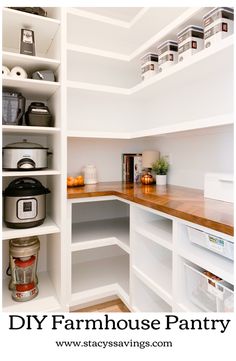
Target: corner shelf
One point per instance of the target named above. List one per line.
(31, 88)
(99, 278)
(94, 234)
(46, 301)
(29, 63)
(48, 227)
(205, 59)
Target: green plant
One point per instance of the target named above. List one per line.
(161, 166)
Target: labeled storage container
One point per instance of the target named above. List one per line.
(218, 24)
(190, 41)
(219, 186)
(149, 65)
(207, 291)
(213, 243)
(168, 54)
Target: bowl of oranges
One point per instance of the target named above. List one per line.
(75, 181)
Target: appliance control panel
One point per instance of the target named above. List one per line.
(27, 208)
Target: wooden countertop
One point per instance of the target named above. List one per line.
(185, 203)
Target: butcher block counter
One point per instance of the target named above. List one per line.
(184, 203)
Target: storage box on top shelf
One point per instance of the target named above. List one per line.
(219, 186)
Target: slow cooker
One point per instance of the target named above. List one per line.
(25, 203)
(25, 156)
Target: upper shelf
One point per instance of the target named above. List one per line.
(204, 61)
(150, 28)
(29, 63)
(31, 88)
(45, 29)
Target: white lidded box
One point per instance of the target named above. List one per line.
(219, 186)
(218, 24)
(215, 244)
(168, 54)
(190, 41)
(207, 291)
(149, 65)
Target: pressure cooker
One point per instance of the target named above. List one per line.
(25, 156)
(25, 203)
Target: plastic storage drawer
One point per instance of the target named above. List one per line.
(213, 243)
(209, 295)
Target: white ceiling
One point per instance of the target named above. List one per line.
(124, 14)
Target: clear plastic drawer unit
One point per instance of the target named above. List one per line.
(207, 291)
(213, 243)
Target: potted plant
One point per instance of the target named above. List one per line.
(160, 167)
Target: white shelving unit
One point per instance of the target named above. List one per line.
(98, 248)
(48, 32)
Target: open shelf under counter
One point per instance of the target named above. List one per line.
(99, 278)
(29, 129)
(45, 29)
(159, 231)
(94, 234)
(30, 173)
(29, 63)
(163, 286)
(31, 88)
(46, 301)
(48, 227)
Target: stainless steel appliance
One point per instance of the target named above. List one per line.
(23, 259)
(13, 108)
(25, 156)
(25, 203)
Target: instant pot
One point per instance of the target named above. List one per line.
(25, 156)
(25, 203)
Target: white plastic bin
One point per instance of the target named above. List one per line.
(219, 186)
(208, 294)
(149, 65)
(168, 54)
(213, 243)
(218, 24)
(190, 41)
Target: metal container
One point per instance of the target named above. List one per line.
(25, 156)
(25, 203)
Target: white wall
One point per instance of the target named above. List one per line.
(197, 153)
(193, 154)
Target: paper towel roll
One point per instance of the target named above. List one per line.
(18, 72)
(5, 71)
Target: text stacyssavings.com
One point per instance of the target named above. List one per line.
(107, 322)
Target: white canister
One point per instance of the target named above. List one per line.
(218, 24)
(90, 174)
(149, 65)
(190, 41)
(168, 54)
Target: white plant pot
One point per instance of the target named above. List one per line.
(160, 180)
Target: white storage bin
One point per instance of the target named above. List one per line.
(213, 243)
(149, 65)
(210, 295)
(168, 54)
(219, 186)
(218, 24)
(190, 41)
